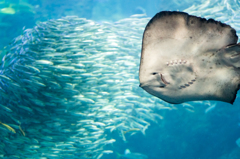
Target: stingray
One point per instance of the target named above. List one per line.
(188, 58)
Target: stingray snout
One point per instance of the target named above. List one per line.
(141, 85)
(154, 80)
(144, 84)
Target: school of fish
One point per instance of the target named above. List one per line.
(66, 82)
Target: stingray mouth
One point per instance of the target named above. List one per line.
(163, 79)
(155, 79)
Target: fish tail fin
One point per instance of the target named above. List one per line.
(118, 155)
(144, 129)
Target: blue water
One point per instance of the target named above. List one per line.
(183, 133)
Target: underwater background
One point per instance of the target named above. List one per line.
(69, 84)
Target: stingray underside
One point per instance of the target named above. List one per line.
(187, 58)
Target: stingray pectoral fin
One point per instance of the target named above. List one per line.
(232, 55)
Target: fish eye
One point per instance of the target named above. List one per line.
(154, 73)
